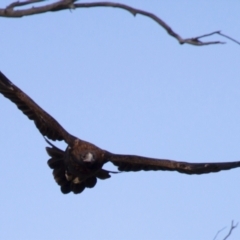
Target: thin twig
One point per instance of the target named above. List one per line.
(19, 4)
(208, 34)
(9, 11)
(218, 233)
(134, 11)
(228, 37)
(231, 229)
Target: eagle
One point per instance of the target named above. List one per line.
(81, 164)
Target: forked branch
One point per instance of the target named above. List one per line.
(10, 11)
(231, 229)
(233, 226)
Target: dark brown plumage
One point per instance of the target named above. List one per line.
(80, 165)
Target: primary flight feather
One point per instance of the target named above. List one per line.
(80, 165)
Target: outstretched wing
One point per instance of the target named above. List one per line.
(46, 124)
(129, 163)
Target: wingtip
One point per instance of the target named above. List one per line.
(5, 80)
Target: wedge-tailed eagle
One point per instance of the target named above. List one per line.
(80, 165)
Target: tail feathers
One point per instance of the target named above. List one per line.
(65, 180)
(66, 185)
(91, 182)
(55, 152)
(72, 187)
(59, 176)
(77, 188)
(59, 173)
(66, 188)
(55, 163)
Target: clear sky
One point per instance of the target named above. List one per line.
(123, 84)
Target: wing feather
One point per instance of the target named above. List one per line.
(46, 124)
(133, 163)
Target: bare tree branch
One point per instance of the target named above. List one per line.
(228, 37)
(230, 231)
(9, 11)
(19, 4)
(218, 232)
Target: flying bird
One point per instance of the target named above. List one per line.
(80, 165)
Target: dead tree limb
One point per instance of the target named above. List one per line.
(219, 232)
(10, 12)
(229, 233)
(231, 229)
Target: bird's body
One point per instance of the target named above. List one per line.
(80, 165)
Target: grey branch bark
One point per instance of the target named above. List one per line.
(231, 229)
(233, 226)
(10, 12)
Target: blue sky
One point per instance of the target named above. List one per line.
(123, 84)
